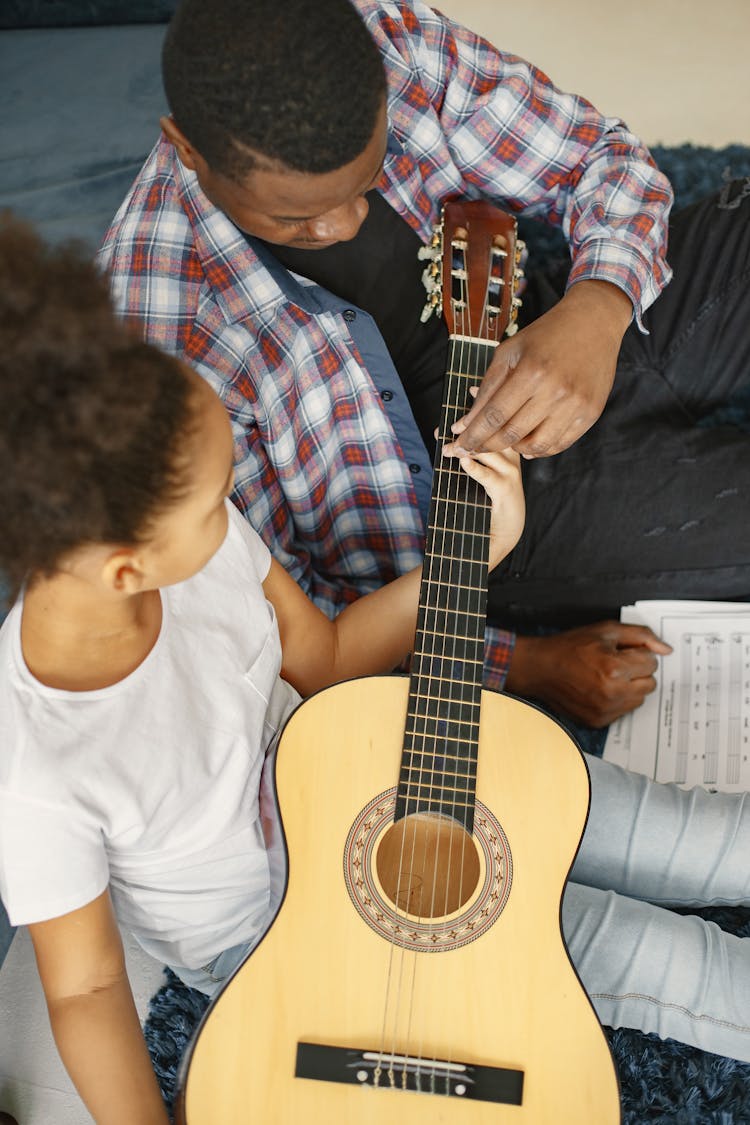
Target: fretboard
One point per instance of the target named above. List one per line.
(441, 741)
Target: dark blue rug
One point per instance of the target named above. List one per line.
(661, 1080)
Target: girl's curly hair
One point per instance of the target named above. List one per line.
(91, 418)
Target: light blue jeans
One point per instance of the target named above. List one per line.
(646, 847)
(210, 978)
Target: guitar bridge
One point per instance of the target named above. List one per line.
(409, 1073)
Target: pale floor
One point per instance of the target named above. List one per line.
(34, 1086)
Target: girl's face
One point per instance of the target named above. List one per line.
(184, 537)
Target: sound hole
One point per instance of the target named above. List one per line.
(428, 865)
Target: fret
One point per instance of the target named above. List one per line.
(441, 738)
(479, 505)
(474, 638)
(460, 613)
(446, 584)
(432, 795)
(454, 759)
(421, 788)
(430, 737)
(462, 696)
(459, 663)
(437, 717)
(440, 763)
(440, 661)
(447, 713)
(443, 646)
(438, 680)
(448, 753)
(476, 340)
(438, 773)
(446, 557)
(432, 802)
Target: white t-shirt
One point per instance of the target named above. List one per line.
(151, 785)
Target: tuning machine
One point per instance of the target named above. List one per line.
(432, 253)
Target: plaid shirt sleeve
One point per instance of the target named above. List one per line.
(498, 653)
(537, 151)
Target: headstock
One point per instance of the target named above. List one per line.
(474, 270)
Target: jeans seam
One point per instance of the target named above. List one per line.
(705, 310)
(672, 1007)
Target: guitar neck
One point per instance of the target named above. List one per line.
(441, 742)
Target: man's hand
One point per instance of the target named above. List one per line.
(549, 383)
(594, 673)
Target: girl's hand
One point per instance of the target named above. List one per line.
(500, 476)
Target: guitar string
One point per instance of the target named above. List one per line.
(453, 545)
(447, 470)
(473, 511)
(472, 518)
(458, 367)
(456, 544)
(427, 661)
(411, 787)
(457, 550)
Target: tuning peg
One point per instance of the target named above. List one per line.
(434, 304)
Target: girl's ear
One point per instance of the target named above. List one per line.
(123, 572)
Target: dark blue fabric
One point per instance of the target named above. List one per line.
(80, 112)
(6, 933)
(83, 13)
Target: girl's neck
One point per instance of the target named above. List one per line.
(75, 639)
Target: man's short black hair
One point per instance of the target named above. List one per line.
(299, 82)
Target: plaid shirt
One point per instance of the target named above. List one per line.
(320, 472)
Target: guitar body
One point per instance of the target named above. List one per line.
(487, 984)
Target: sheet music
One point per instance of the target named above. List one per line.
(695, 728)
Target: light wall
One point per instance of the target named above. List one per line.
(674, 70)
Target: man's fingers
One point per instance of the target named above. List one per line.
(553, 437)
(637, 662)
(636, 635)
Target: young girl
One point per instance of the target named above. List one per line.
(147, 665)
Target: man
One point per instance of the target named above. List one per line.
(271, 239)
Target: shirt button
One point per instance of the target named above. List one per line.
(386, 395)
(350, 315)
(414, 468)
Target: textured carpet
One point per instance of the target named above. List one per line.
(661, 1080)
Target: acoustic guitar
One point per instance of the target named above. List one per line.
(416, 971)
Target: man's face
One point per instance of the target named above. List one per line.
(288, 208)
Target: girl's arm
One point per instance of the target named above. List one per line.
(93, 1016)
(376, 632)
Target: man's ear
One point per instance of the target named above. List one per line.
(123, 572)
(187, 154)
